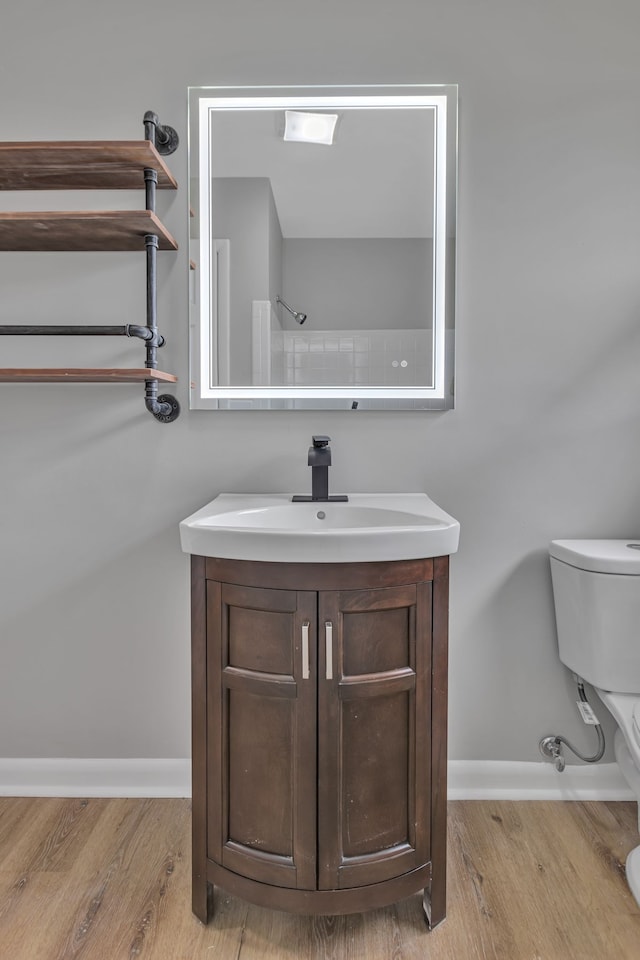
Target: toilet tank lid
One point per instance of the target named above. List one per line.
(600, 556)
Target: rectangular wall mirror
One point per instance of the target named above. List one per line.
(322, 247)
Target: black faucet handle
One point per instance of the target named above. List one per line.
(321, 441)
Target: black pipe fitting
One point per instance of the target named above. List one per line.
(144, 333)
(164, 408)
(150, 185)
(163, 137)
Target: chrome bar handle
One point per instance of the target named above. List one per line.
(305, 650)
(328, 641)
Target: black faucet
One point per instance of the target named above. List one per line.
(319, 460)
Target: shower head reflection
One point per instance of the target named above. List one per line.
(298, 317)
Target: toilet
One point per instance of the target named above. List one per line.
(596, 590)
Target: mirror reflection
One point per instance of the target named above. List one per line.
(322, 247)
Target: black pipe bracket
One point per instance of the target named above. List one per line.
(164, 138)
(166, 408)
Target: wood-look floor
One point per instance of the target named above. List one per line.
(110, 880)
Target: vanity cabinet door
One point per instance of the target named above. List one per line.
(261, 780)
(374, 739)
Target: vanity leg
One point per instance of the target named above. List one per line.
(202, 899)
(434, 902)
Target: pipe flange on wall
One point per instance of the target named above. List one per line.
(164, 138)
(165, 408)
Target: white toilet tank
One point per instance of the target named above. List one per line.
(596, 589)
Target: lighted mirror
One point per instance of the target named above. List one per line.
(322, 247)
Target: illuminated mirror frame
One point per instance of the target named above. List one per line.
(206, 393)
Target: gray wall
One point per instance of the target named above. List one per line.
(275, 251)
(543, 442)
(244, 215)
(360, 284)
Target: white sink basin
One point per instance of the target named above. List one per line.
(380, 526)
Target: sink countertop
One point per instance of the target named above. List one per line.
(369, 527)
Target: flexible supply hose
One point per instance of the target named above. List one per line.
(601, 742)
(550, 746)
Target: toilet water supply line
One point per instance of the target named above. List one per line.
(551, 747)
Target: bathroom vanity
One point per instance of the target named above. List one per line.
(319, 718)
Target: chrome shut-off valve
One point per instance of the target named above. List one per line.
(551, 749)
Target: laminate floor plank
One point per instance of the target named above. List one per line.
(110, 880)
(13, 810)
(118, 912)
(29, 828)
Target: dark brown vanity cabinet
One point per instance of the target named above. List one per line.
(319, 733)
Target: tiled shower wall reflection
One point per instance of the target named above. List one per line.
(330, 358)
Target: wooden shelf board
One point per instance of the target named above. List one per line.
(81, 230)
(82, 375)
(80, 165)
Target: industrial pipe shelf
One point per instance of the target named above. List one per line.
(94, 165)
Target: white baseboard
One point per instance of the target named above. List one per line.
(513, 780)
(468, 779)
(59, 777)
